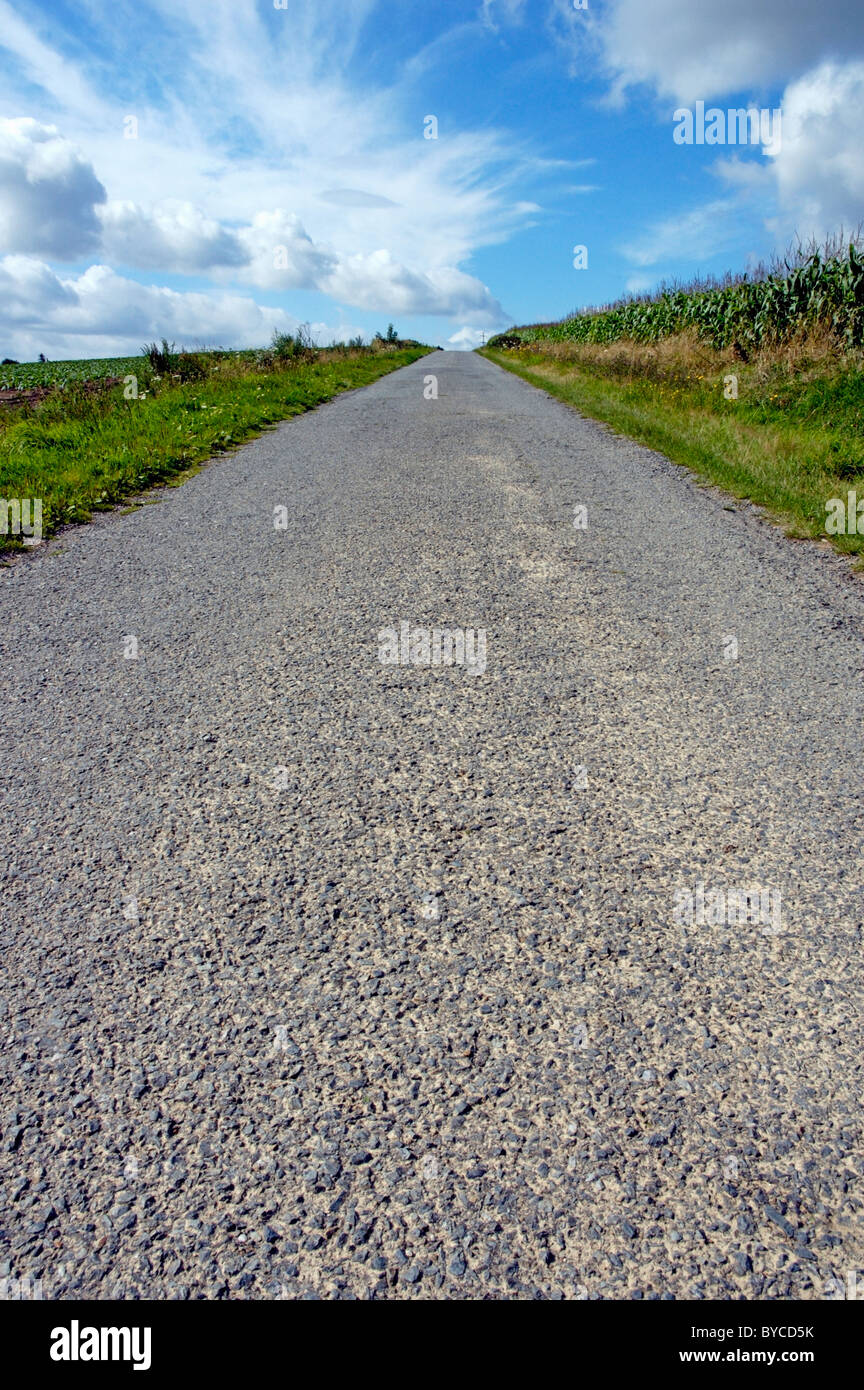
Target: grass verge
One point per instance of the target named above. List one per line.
(85, 448)
(790, 441)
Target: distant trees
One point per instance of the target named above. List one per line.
(391, 336)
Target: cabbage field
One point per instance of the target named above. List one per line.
(25, 376)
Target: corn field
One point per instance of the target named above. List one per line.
(825, 291)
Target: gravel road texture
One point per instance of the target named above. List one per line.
(328, 978)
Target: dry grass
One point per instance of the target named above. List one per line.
(684, 358)
(791, 439)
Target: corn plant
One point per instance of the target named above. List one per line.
(824, 290)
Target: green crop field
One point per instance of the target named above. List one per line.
(826, 290)
(25, 375)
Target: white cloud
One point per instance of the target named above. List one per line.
(101, 312)
(688, 236)
(355, 198)
(819, 171)
(194, 193)
(44, 67)
(29, 287)
(493, 13)
(281, 255)
(467, 338)
(173, 236)
(276, 253)
(377, 281)
(48, 193)
(51, 202)
(813, 185)
(699, 51)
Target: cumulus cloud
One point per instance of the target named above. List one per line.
(280, 254)
(697, 51)
(378, 281)
(173, 236)
(28, 286)
(276, 253)
(467, 338)
(49, 193)
(103, 312)
(819, 171)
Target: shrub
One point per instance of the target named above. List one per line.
(162, 360)
(294, 347)
(190, 366)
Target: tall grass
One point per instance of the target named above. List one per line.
(813, 290)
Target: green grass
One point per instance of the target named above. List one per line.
(792, 440)
(81, 451)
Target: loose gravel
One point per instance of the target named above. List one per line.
(323, 978)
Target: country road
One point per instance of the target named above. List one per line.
(324, 977)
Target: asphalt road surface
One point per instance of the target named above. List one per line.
(327, 976)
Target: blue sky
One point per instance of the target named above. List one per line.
(279, 171)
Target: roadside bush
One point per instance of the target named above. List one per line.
(293, 347)
(190, 366)
(162, 359)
